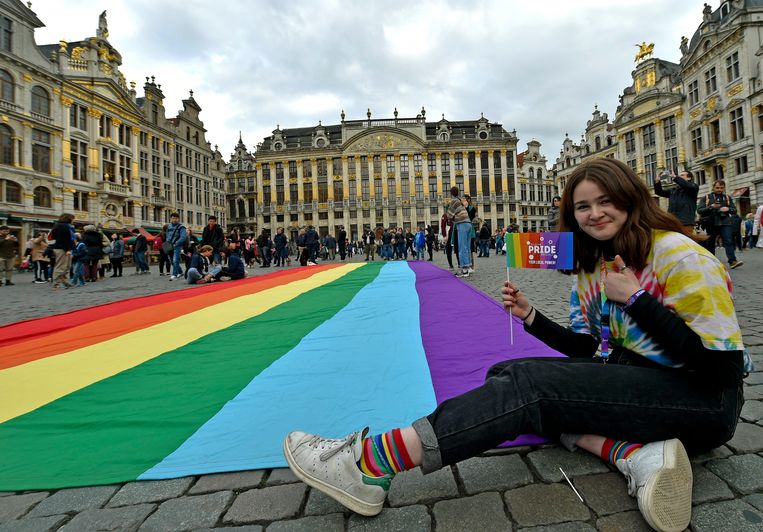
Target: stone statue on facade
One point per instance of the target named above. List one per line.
(684, 45)
(103, 27)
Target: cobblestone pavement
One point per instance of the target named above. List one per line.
(514, 489)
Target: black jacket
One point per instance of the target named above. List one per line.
(213, 237)
(682, 199)
(62, 234)
(717, 218)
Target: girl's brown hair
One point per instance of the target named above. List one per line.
(627, 192)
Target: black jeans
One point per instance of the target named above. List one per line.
(552, 396)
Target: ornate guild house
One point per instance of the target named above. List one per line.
(361, 174)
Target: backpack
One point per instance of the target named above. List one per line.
(707, 221)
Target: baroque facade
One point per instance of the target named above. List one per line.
(536, 189)
(391, 172)
(76, 138)
(704, 114)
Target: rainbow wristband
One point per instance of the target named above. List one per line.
(633, 298)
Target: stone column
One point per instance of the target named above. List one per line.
(66, 145)
(27, 145)
(385, 221)
(659, 142)
(478, 166)
(300, 192)
(260, 203)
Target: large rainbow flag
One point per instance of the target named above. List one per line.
(210, 379)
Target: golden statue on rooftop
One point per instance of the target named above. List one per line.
(644, 50)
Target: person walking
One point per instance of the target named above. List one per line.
(682, 198)
(39, 260)
(62, 235)
(341, 240)
(716, 210)
(659, 307)
(117, 255)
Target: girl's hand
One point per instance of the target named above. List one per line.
(620, 283)
(514, 301)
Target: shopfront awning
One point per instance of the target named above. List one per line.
(739, 192)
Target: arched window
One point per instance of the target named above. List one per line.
(42, 197)
(531, 173)
(6, 145)
(540, 173)
(6, 86)
(10, 192)
(40, 101)
(598, 143)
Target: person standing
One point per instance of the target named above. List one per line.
(40, 261)
(682, 198)
(139, 249)
(331, 246)
(430, 241)
(553, 215)
(312, 243)
(262, 245)
(341, 240)
(213, 236)
(117, 255)
(281, 250)
(716, 210)
(369, 248)
(9, 248)
(756, 241)
(91, 237)
(63, 236)
(177, 235)
(462, 226)
(484, 240)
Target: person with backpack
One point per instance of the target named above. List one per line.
(177, 235)
(682, 198)
(716, 210)
(117, 255)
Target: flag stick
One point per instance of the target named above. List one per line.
(511, 316)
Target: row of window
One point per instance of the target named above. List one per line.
(711, 79)
(375, 162)
(648, 135)
(11, 192)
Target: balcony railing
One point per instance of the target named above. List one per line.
(114, 188)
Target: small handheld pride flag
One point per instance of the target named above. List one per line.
(548, 251)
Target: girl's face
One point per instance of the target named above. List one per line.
(557, 202)
(595, 213)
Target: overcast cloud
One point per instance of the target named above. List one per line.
(537, 67)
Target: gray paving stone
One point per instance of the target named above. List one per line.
(752, 410)
(484, 512)
(575, 526)
(327, 523)
(707, 487)
(414, 518)
(754, 378)
(245, 528)
(606, 493)
(713, 454)
(494, 473)
(74, 500)
(756, 499)
(318, 503)
(237, 481)
(630, 521)
(545, 504)
(150, 491)
(734, 515)
(743, 473)
(753, 393)
(15, 506)
(281, 476)
(548, 461)
(413, 487)
(128, 518)
(748, 438)
(188, 513)
(267, 504)
(37, 524)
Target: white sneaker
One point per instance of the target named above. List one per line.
(471, 270)
(173, 277)
(331, 466)
(462, 274)
(659, 476)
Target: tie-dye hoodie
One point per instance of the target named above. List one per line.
(683, 277)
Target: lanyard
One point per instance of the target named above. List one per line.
(605, 307)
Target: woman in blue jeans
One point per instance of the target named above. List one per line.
(652, 301)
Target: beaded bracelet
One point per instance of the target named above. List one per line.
(633, 298)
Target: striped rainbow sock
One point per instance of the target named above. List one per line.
(614, 450)
(384, 454)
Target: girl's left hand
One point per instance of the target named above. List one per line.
(620, 283)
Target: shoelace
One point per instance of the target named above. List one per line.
(349, 440)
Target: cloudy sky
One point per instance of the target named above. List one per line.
(536, 66)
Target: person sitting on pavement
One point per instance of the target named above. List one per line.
(234, 270)
(659, 307)
(198, 270)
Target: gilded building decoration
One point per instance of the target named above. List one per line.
(382, 141)
(736, 89)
